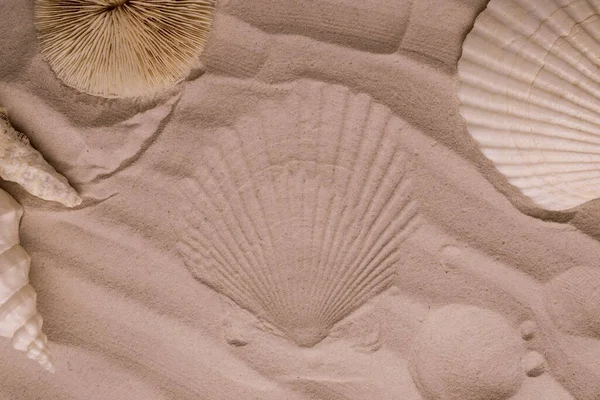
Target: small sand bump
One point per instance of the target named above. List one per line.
(534, 364)
(234, 334)
(451, 256)
(528, 329)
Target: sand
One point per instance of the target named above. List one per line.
(128, 319)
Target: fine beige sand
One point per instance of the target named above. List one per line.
(475, 295)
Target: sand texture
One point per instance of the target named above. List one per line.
(304, 217)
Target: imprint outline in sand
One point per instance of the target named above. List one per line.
(302, 165)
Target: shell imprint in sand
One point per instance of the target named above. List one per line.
(530, 93)
(298, 213)
(467, 353)
(21, 163)
(19, 319)
(122, 48)
(573, 300)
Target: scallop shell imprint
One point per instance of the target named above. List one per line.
(530, 88)
(298, 213)
(122, 48)
(19, 319)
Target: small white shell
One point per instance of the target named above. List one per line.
(298, 213)
(19, 319)
(530, 89)
(467, 353)
(21, 163)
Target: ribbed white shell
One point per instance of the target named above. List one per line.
(297, 213)
(19, 319)
(530, 88)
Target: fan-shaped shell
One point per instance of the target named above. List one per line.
(122, 48)
(530, 88)
(466, 353)
(297, 213)
(19, 319)
(573, 300)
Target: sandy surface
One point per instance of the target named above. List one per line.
(127, 319)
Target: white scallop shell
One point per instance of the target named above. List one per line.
(467, 353)
(21, 163)
(297, 213)
(19, 319)
(530, 88)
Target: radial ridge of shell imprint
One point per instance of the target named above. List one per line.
(298, 212)
(122, 48)
(530, 94)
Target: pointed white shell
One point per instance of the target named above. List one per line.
(19, 319)
(297, 213)
(21, 163)
(530, 93)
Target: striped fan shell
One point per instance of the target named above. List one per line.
(297, 213)
(529, 89)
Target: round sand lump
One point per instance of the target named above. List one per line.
(467, 353)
